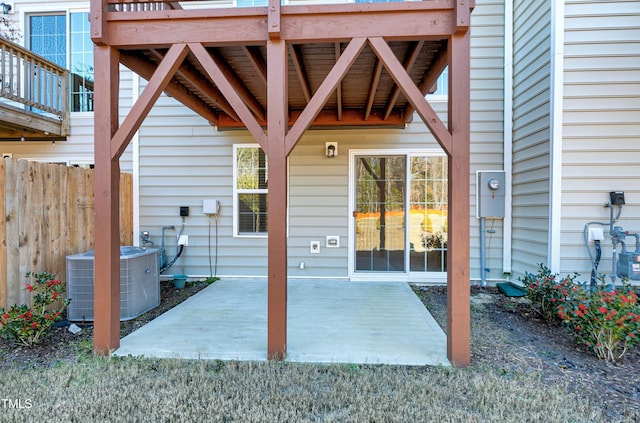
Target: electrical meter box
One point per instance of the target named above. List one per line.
(490, 202)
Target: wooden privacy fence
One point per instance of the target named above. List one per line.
(46, 214)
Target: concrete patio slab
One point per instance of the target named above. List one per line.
(329, 321)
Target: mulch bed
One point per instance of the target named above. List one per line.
(506, 334)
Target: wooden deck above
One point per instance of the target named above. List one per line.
(236, 39)
(34, 96)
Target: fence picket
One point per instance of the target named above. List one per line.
(46, 214)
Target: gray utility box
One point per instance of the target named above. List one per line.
(490, 196)
(139, 283)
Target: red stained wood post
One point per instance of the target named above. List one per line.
(107, 186)
(277, 214)
(458, 259)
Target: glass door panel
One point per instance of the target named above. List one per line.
(428, 205)
(380, 183)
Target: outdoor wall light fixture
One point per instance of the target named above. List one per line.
(331, 149)
(6, 8)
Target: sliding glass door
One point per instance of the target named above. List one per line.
(400, 213)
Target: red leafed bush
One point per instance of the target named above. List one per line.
(27, 325)
(606, 322)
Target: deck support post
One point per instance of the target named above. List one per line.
(107, 212)
(277, 203)
(458, 258)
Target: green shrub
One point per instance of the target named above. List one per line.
(606, 322)
(547, 291)
(27, 325)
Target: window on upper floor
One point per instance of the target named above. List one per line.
(251, 3)
(64, 39)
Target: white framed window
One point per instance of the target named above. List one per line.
(250, 190)
(63, 37)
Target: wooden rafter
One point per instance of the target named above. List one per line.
(145, 69)
(219, 77)
(338, 51)
(409, 61)
(158, 82)
(373, 87)
(298, 64)
(430, 78)
(257, 62)
(327, 87)
(239, 86)
(203, 85)
(399, 74)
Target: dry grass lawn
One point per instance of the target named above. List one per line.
(144, 390)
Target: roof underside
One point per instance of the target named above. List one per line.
(366, 96)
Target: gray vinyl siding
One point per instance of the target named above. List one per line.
(487, 152)
(601, 123)
(184, 160)
(531, 134)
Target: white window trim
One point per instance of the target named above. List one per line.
(236, 191)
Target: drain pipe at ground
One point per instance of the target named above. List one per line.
(483, 256)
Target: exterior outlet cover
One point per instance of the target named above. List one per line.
(596, 234)
(183, 240)
(314, 247)
(333, 241)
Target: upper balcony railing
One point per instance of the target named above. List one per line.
(145, 6)
(33, 83)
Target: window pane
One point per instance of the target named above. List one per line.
(249, 3)
(251, 180)
(48, 37)
(442, 83)
(252, 213)
(429, 219)
(252, 168)
(81, 66)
